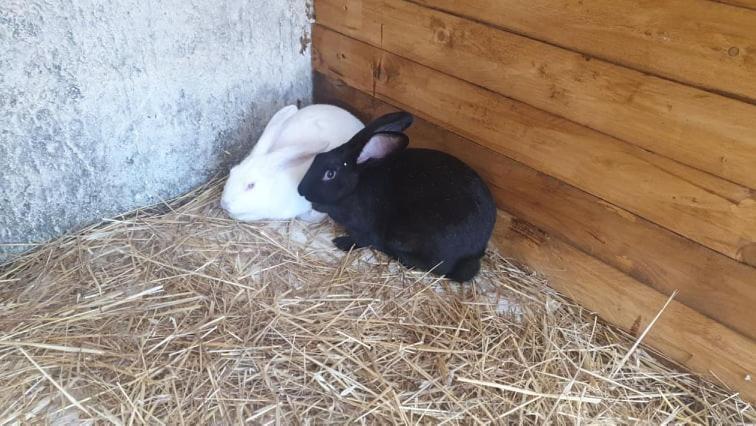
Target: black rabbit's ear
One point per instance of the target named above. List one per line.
(389, 125)
(382, 145)
(393, 122)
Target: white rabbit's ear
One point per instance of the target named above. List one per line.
(292, 155)
(273, 130)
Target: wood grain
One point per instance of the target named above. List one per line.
(710, 211)
(706, 131)
(708, 282)
(699, 42)
(750, 4)
(682, 334)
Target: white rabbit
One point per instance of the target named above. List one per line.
(264, 185)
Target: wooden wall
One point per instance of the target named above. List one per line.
(619, 139)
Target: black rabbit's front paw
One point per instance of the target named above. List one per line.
(345, 243)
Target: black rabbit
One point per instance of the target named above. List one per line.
(423, 207)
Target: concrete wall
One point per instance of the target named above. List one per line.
(106, 105)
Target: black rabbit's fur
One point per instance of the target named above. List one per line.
(423, 207)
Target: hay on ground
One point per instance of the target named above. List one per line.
(179, 315)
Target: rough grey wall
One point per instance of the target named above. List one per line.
(106, 105)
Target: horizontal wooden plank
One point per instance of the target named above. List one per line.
(351, 17)
(700, 209)
(750, 4)
(682, 334)
(704, 130)
(713, 284)
(703, 43)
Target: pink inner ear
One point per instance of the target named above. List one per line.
(379, 146)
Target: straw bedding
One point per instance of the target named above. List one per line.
(178, 315)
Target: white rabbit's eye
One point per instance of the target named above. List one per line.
(329, 174)
(250, 186)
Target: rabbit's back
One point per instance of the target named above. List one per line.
(318, 123)
(440, 206)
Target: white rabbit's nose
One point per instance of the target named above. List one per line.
(224, 204)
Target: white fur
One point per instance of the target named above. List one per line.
(281, 158)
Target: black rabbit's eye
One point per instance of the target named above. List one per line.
(329, 174)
